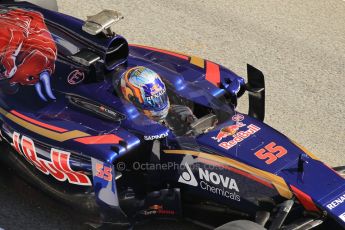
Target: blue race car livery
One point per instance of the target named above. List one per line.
(68, 126)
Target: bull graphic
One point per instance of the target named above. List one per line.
(27, 50)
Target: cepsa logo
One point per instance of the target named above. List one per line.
(59, 166)
(75, 77)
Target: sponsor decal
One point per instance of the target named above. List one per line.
(335, 203)
(217, 179)
(240, 136)
(230, 130)
(238, 117)
(156, 137)
(106, 110)
(158, 210)
(342, 217)
(59, 165)
(104, 172)
(75, 77)
(156, 94)
(165, 212)
(212, 182)
(233, 131)
(188, 177)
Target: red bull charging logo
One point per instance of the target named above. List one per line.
(227, 131)
(230, 130)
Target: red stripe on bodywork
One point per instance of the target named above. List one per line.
(213, 73)
(237, 171)
(33, 121)
(99, 140)
(162, 51)
(305, 200)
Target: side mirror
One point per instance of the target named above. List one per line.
(102, 22)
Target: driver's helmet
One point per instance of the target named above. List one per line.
(145, 89)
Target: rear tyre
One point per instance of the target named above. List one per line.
(340, 170)
(241, 225)
(48, 4)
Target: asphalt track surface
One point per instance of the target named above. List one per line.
(299, 45)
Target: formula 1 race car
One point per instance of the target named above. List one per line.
(67, 127)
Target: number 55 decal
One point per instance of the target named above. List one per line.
(271, 152)
(104, 172)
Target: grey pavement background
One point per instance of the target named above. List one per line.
(299, 45)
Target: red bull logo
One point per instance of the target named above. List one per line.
(240, 136)
(230, 130)
(58, 166)
(155, 88)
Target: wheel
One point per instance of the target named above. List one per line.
(340, 170)
(48, 4)
(241, 225)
